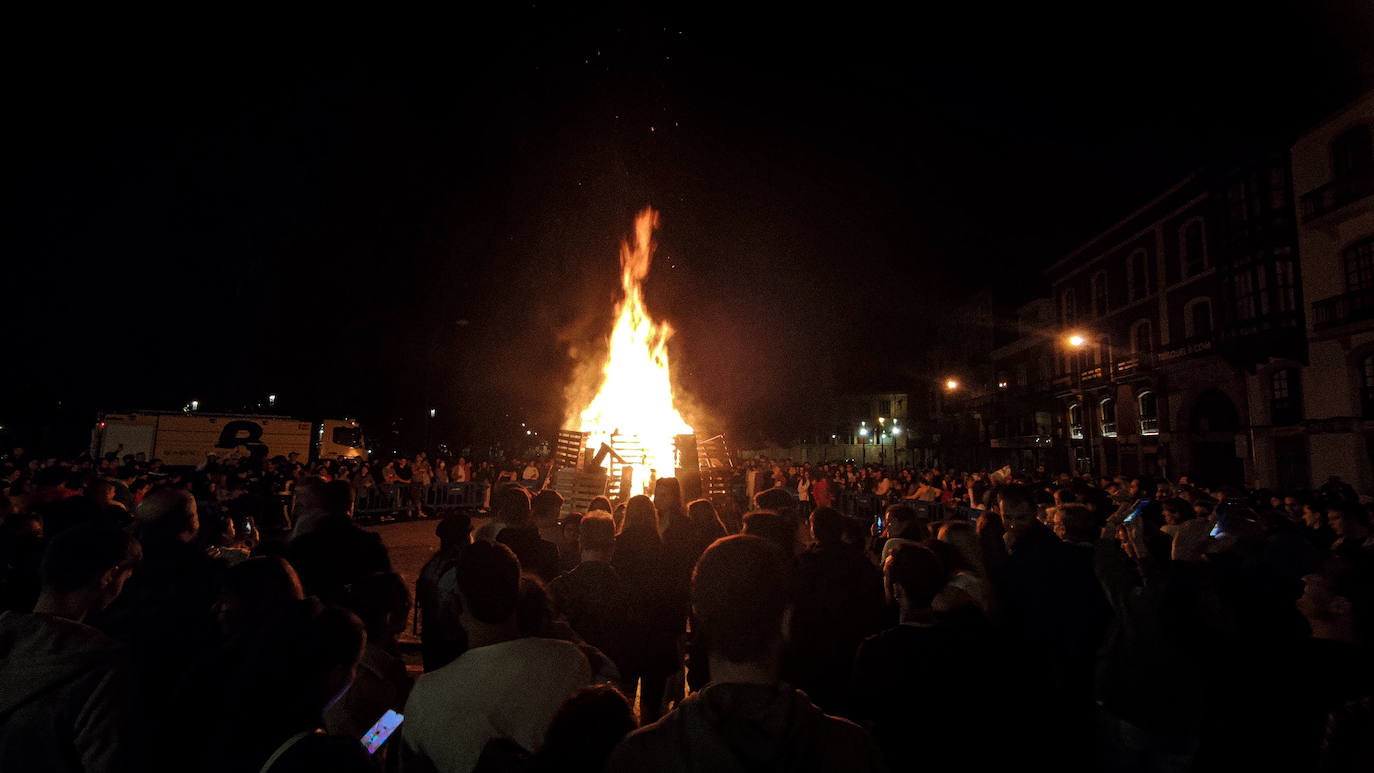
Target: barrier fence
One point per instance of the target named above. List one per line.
(866, 507)
(377, 501)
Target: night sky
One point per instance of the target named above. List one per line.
(227, 212)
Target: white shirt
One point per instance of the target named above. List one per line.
(508, 690)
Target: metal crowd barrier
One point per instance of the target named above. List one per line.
(865, 506)
(437, 497)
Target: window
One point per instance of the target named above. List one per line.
(1367, 387)
(1149, 413)
(1076, 421)
(1197, 319)
(1139, 275)
(1021, 377)
(1285, 292)
(1235, 203)
(1359, 265)
(347, 436)
(1068, 307)
(1284, 398)
(1108, 417)
(1142, 337)
(1099, 293)
(1350, 152)
(1194, 248)
(1278, 189)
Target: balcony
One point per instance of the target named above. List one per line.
(1340, 309)
(1337, 193)
(1108, 429)
(1149, 425)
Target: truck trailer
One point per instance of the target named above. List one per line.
(182, 439)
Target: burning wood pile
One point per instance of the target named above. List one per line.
(631, 433)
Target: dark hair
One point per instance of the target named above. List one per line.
(534, 608)
(599, 503)
(641, 517)
(454, 528)
(774, 499)
(771, 526)
(376, 595)
(547, 505)
(489, 581)
(166, 514)
(828, 526)
(596, 532)
(80, 555)
(918, 571)
(1016, 498)
(511, 506)
(740, 589)
(585, 730)
(702, 514)
(338, 497)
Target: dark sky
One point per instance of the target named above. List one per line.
(228, 212)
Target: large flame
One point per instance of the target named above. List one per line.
(634, 407)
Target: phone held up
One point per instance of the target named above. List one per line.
(373, 739)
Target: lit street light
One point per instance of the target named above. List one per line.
(951, 385)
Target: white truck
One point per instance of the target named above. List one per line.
(182, 439)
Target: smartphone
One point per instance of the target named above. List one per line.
(1139, 508)
(374, 738)
(878, 524)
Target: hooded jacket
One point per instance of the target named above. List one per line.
(744, 727)
(64, 697)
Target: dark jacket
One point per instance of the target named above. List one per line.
(538, 556)
(741, 727)
(593, 600)
(65, 697)
(335, 554)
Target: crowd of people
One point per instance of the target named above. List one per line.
(159, 619)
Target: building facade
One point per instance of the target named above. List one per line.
(1326, 410)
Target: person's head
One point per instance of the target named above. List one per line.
(704, 515)
(100, 491)
(167, 515)
(668, 495)
(1348, 519)
(1176, 511)
(913, 576)
(775, 499)
(1017, 508)
(255, 591)
(85, 568)
(546, 506)
(454, 530)
(827, 526)
(1074, 523)
(585, 729)
(903, 522)
(596, 536)
(741, 588)
(488, 579)
(1338, 599)
(308, 496)
(600, 503)
(1292, 507)
(964, 536)
(382, 601)
(511, 506)
(769, 525)
(301, 665)
(338, 498)
(1314, 515)
(641, 517)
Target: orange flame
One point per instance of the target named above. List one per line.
(634, 407)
